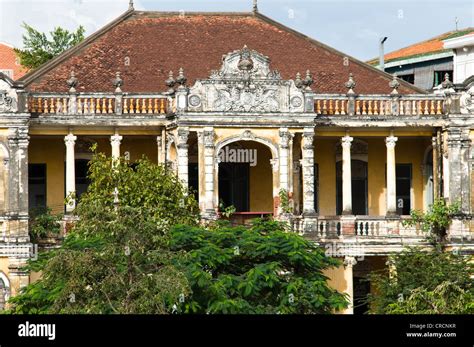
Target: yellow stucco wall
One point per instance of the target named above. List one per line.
(51, 151)
(408, 151)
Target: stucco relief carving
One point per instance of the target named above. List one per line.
(467, 101)
(245, 83)
(8, 97)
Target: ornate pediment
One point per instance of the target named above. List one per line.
(245, 83)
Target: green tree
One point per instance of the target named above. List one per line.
(117, 257)
(258, 270)
(435, 221)
(38, 49)
(424, 281)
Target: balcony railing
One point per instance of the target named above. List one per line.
(99, 103)
(330, 227)
(380, 105)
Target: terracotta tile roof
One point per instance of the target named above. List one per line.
(8, 61)
(431, 46)
(157, 42)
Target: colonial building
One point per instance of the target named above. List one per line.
(9, 62)
(424, 64)
(254, 115)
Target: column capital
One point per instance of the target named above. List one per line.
(70, 140)
(285, 137)
(391, 141)
(346, 141)
(183, 134)
(209, 137)
(116, 139)
(159, 140)
(308, 139)
(349, 261)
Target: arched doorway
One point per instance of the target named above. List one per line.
(245, 177)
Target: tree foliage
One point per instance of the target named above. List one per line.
(258, 270)
(38, 48)
(116, 259)
(436, 221)
(424, 281)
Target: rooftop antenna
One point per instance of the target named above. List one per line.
(255, 6)
(381, 53)
(130, 5)
(456, 20)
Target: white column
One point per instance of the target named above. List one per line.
(349, 263)
(308, 171)
(285, 137)
(346, 143)
(390, 142)
(159, 146)
(70, 141)
(115, 141)
(182, 147)
(210, 162)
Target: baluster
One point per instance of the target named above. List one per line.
(65, 106)
(51, 106)
(143, 105)
(104, 106)
(366, 228)
(321, 229)
(137, 105)
(343, 107)
(377, 228)
(382, 108)
(432, 108)
(45, 108)
(376, 110)
(438, 108)
(132, 106)
(162, 106)
(40, 105)
(91, 105)
(413, 108)
(110, 108)
(370, 108)
(325, 110)
(327, 229)
(338, 227)
(150, 108)
(364, 106)
(86, 107)
(79, 106)
(125, 106)
(426, 107)
(336, 107)
(357, 107)
(156, 109)
(330, 107)
(402, 108)
(32, 105)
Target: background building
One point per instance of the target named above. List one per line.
(9, 62)
(424, 64)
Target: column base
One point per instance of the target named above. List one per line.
(210, 215)
(347, 213)
(348, 225)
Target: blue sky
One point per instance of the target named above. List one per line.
(351, 26)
